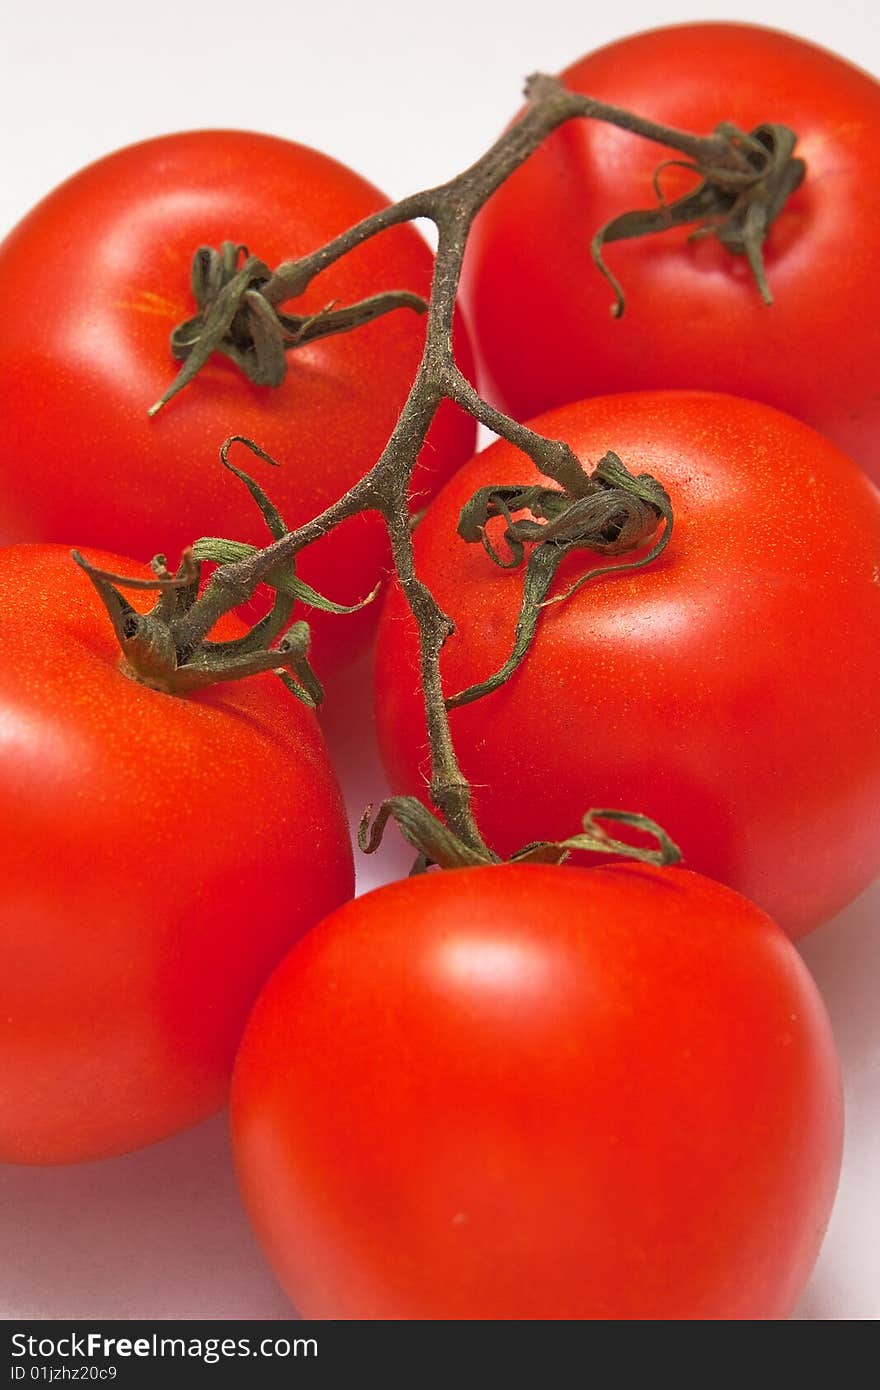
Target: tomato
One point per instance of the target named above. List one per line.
(694, 317)
(529, 1092)
(729, 690)
(159, 856)
(93, 281)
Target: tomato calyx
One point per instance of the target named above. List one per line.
(153, 654)
(440, 847)
(740, 195)
(238, 315)
(619, 511)
(168, 649)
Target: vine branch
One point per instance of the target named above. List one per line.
(239, 301)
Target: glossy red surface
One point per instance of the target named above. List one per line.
(538, 1093)
(92, 282)
(729, 690)
(159, 856)
(694, 318)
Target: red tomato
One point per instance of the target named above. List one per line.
(159, 856)
(525, 1092)
(728, 690)
(93, 281)
(694, 318)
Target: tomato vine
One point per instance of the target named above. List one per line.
(746, 178)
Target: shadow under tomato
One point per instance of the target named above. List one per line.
(155, 1234)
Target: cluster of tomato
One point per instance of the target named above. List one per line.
(512, 1091)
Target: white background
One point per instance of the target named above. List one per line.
(407, 94)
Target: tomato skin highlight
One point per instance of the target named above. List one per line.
(539, 310)
(159, 856)
(526, 1092)
(93, 281)
(728, 690)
